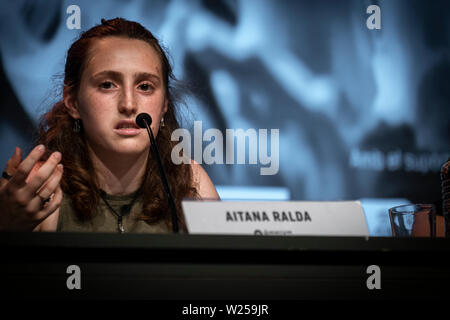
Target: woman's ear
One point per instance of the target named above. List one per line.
(166, 106)
(70, 102)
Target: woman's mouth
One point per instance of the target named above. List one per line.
(127, 128)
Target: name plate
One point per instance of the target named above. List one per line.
(329, 218)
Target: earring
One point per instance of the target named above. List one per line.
(77, 126)
(162, 124)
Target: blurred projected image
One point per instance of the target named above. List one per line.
(361, 112)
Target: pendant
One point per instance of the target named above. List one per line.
(120, 225)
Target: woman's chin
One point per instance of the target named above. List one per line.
(131, 147)
(130, 151)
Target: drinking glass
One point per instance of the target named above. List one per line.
(413, 220)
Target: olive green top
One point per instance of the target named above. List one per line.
(105, 220)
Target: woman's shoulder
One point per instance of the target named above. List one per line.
(202, 182)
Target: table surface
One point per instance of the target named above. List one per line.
(186, 267)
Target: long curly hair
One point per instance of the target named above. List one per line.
(79, 180)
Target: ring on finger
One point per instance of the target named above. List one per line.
(44, 200)
(6, 175)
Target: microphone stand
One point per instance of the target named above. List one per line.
(162, 174)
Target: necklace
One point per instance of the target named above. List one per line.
(124, 210)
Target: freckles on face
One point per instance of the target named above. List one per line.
(122, 78)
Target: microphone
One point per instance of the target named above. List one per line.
(445, 179)
(144, 120)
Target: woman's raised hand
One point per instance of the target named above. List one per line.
(26, 200)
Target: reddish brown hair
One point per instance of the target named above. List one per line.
(79, 180)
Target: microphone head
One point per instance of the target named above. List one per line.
(143, 120)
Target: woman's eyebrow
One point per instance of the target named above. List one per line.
(108, 73)
(146, 75)
(117, 75)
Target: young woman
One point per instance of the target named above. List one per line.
(92, 169)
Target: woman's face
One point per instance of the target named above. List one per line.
(122, 78)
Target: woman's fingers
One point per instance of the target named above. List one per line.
(24, 168)
(51, 206)
(11, 165)
(52, 183)
(43, 175)
(38, 202)
(14, 161)
(24, 195)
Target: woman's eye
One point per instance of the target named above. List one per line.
(145, 87)
(106, 85)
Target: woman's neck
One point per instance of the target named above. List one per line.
(119, 177)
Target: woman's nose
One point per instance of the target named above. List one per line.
(127, 103)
